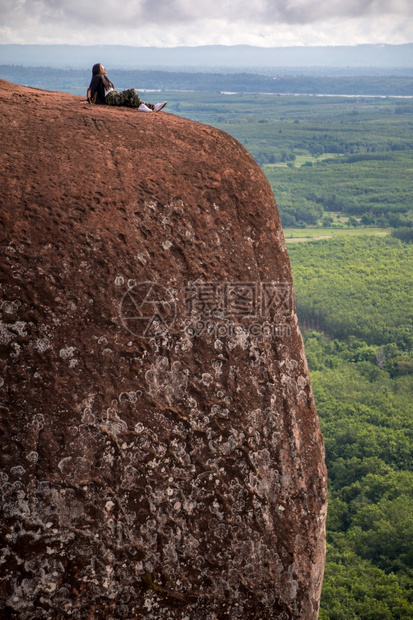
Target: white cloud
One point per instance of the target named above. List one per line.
(197, 22)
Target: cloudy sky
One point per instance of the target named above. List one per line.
(202, 22)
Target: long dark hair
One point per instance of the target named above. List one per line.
(106, 81)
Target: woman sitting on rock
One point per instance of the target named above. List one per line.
(102, 91)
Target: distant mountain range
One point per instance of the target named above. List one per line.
(216, 57)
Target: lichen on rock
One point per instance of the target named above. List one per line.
(162, 454)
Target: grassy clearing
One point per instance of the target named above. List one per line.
(300, 160)
(314, 234)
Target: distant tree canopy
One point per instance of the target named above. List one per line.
(356, 287)
(361, 370)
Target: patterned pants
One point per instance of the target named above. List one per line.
(129, 98)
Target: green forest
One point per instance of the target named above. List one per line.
(340, 168)
(357, 295)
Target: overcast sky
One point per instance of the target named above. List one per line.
(202, 22)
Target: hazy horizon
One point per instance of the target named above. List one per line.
(209, 56)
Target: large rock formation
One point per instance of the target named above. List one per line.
(161, 452)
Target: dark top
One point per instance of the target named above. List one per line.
(96, 86)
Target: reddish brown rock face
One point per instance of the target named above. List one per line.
(161, 453)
